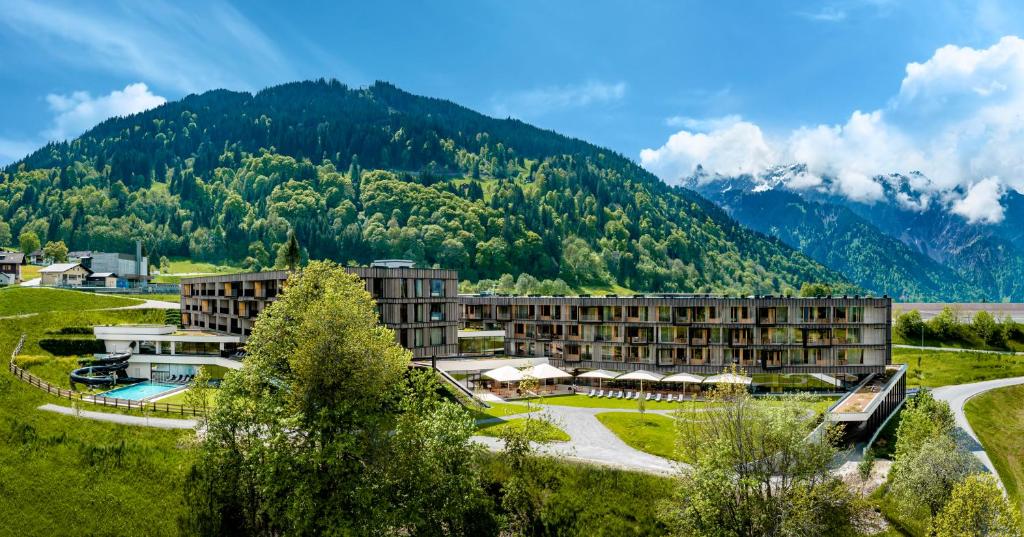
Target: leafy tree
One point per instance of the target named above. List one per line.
(526, 284)
(165, 265)
(923, 417)
(909, 325)
(506, 284)
(923, 479)
(28, 242)
(5, 234)
(199, 392)
(809, 289)
(945, 325)
(986, 328)
(977, 508)
(289, 255)
(756, 472)
(325, 431)
(56, 251)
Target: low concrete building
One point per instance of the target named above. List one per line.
(64, 275)
(166, 352)
(102, 279)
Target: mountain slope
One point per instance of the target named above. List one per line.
(842, 240)
(378, 172)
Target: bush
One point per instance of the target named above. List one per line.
(72, 330)
(71, 347)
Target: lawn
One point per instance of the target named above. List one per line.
(30, 272)
(61, 475)
(500, 410)
(942, 368)
(166, 297)
(540, 431)
(180, 398)
(650, 433)
(580, 400)
(186, 268)
(997, 417)
(23, 300)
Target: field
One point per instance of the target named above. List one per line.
(166, 297)
(26, 300)
(817, 404)
(997, 417)
(941, 368)
(650, 433)
(184, 268)
(30, 272)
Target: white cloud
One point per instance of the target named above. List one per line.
(981, 204)
(187, 48)
(77, 112)
(539, 101)
(958, 118)
(11, 150)
(735, 149)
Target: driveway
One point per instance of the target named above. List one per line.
(957, 396)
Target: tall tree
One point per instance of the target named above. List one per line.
(977, 508)
(56, 251)
(28, 242)
(324, 430)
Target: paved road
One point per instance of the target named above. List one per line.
(123, 419)
(957, 396)
(150, 304)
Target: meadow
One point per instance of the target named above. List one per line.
(931, 368)
(997, 417)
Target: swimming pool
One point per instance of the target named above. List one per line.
(141, 391)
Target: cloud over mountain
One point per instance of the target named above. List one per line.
(956, 119)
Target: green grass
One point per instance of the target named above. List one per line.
(62, 475)
(500, 410)
(166, 297)
(650, 433)
(30, 272)
(943, 368)
(580, 400)
(539, 431)
(997, 417)
(180, 398)
(186, 268)
(24, 300)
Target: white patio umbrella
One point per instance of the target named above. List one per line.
(599, 374)
(684, 378)
(504, 374)
(641, 375)
(545, 371)
(728, 378)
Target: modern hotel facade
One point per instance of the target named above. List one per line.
(665, 333)
(420, 305)
(692, 333)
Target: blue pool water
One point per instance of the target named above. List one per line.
(140, 391)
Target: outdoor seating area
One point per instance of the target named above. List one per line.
(505, 382)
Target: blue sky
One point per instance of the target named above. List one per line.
(625, 75)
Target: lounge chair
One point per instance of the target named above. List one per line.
(629, 395)
(592, 392)
(599, 394)
(671, 398)
(648, 397)
(658, 398)
(619, 395)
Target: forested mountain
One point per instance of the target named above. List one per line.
(910, 249)
(377, 172)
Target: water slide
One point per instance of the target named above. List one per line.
(104, 370)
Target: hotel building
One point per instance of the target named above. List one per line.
(420, 305)
(692, 333)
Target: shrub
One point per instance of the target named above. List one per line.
(70, 347)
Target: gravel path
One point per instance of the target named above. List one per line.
(957, 396)
(123, 419)
(591, 441)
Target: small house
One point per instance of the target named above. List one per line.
(64, 274)
(101, 279)
(10, 267)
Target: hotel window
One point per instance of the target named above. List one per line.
(437, 312)
(436, 287)
(404, 284)
(437, 336)
(856, 314)
(664, 314)
(850, 356)
(419, 312)
(666, 334)
(417, 337)
(419, 288)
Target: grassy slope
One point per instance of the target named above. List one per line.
(942, 368)
(997, 417)
(185, 268)
(650, 433)
(22, 300)
(59, 472)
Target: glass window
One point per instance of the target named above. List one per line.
(419, 288)
(437, 312)
(417, 338)
(436, 287)
(437, 336)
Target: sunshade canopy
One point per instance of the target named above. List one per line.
(545, 371)
(727, 378)
(683, 377)
(504, 374)
(598, 374)
(640, 375)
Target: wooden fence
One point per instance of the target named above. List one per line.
(71, 395)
